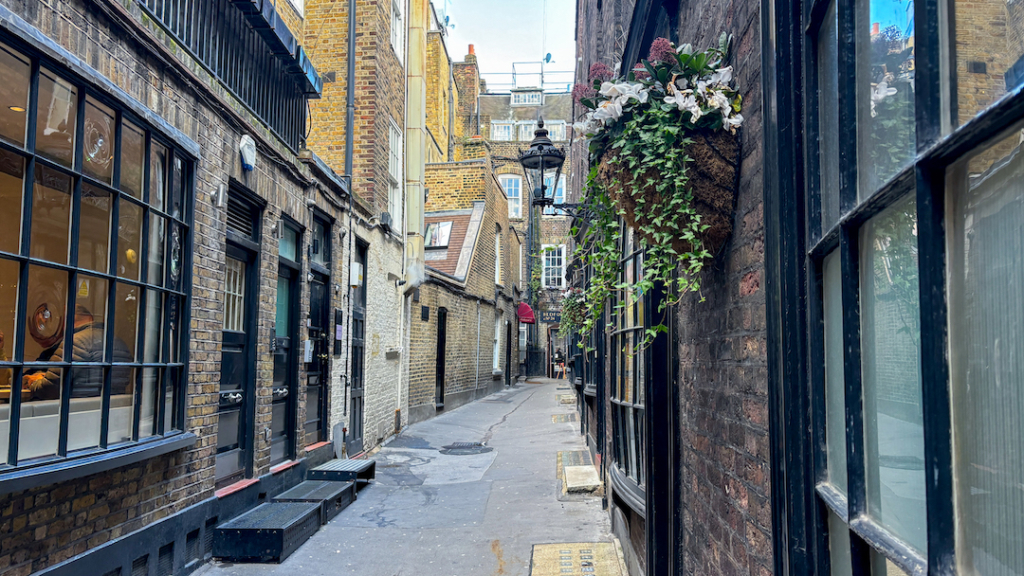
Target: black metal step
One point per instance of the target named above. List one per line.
(333, 497)
(344, 470)
(267, 533)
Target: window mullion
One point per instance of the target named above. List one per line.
(935, 390)
(847, 102)
(932, 82)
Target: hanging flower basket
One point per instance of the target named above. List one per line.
(664, 158)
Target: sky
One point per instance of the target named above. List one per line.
(507, 31)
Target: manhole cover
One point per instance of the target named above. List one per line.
(465, 449)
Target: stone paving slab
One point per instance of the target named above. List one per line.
(561, 418)
(581, 479)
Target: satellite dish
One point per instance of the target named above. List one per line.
(547, 58)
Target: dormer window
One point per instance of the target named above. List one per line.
(535, 98)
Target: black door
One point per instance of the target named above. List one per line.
(282, 443)
(355, 427)
(508, 354)
(442, 340)
(237, 382)
(318, 371)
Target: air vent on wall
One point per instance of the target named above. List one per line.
(240, 217)
(385, 221)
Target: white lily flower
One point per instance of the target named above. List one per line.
(685, 49)
(682, 83)
(733, 122)
(609, 111)
(721, 77)
(879, 93)
(720, 101)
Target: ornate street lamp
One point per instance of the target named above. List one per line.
(542, 163)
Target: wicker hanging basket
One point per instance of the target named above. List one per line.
(713, 179)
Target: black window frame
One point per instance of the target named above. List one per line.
(169, 430)
(801, 498)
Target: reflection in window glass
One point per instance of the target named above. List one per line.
(57, 117)
(122, 404)
(94, 228)
(321, 244)
(133, 156)
(40, 413)
(153, 336)
(173, 389)
(150, 390)
(284, 311)
(129, 239)
(986, 273)
(891, 352)
(881, 566)
(51, 215)
(989, 52)
(15, 76)
(12, 174)
(234, 295)
(885, 90)
(85, 407)
(840, 557)
(8, 310)
(438, 234)
(98, 141)
(828, 118)
(288, 245)
(835, 392)
(157, 175)
(155, 250)
(173, 320)
(45, 312)
(90, 323)
(126, 318)
(175, 190)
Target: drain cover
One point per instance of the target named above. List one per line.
(465, 449)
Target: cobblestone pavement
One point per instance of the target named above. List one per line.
(430, 513)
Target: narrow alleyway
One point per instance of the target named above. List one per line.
(430, 513)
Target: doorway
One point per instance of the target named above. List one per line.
(442, 345)
(236, 406)
(508, 354)
(354, 445)
(318, 371)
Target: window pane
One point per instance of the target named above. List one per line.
(881, 566)
(94, 229)
(284, 311)
(150, 389)
(12, 175)
(153, 336)
(155, 250)
(98, 141)
(175, 191)
(90, 322)
(989, 51)
(835, 392)
(126, 320)
(839, 546)
(9, 276)
(122, 404)
(893, 424)
(287, 246)
(157, 175)
(129, 239)
(133, 156)
(51, 215)
(234, 295)
(57, 118)
(885, 90)
(321, 245)
(40, 413)
(85, 407)
(986, 272)
(6, 376)
(175, 238)
(46, 306)
(828, 118)
(173, 320)
(15, 75)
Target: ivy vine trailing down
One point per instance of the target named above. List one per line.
(663, 156)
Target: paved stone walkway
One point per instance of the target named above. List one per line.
(430, 513)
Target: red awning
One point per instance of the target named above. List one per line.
(526, 314)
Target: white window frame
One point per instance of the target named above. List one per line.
(515, 203)
(299, 6)
(503, 131)
(398, 29)
(547, 251)
(525, 130)
(559, 198)
(556, 130)
(527, 98)
(396, 175)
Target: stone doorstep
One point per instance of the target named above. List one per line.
(567, 398)
(581, 480)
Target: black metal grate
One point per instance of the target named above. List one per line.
(165, 560)
(465, 449)
(218, 35)
(240, 218)
(114, 572)
(211, 525)
(140, 566)
(192, 546)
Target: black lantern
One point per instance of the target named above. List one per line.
(542, 162)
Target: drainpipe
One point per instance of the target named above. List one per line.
(350, 115)
(477, 345)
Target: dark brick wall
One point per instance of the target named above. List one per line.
(721, 362)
